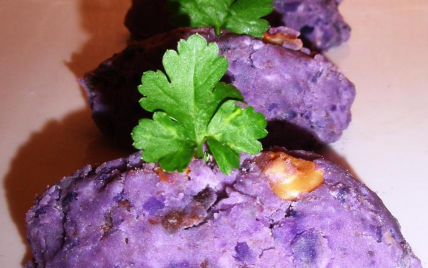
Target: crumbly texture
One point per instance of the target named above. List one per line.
(319, 21)
(126, 213)
(305, 98)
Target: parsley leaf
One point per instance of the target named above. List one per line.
(238, 16)
(233, 130)
(192, 108)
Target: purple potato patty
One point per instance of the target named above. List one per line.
(319, 21)
(127, 213)
(305, 99)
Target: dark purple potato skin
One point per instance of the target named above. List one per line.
(319, 21)
(305, 99)
(124, 213)
(147, 18)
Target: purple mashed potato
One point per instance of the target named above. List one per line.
(126, 213)
(319, 21)
(305, 99)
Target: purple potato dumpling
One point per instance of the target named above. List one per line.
(127, 213)
(305, 98)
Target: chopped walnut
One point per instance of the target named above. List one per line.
(125, 203)
(163, 176)
(173, 221)
(289, 177)
(285, 37)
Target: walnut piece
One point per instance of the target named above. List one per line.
(288, 176)
(285, 37)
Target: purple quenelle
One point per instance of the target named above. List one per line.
(319, 21)
(127, 213)
(305, 98)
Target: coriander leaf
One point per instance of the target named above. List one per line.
(236, 129)
(225, 157)
(200, 13)
(189, 97)
(245, 14)
(164, 141)
(191, 108)
(238, 16)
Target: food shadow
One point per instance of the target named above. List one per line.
(293, 137)
(103, 21)
(59, 149)
(64, 146)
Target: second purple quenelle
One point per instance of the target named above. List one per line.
(304, 97)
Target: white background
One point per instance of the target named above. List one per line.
(47, 131)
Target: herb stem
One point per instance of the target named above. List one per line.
(200, 151)
(217, 30)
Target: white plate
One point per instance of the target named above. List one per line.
(47, 132)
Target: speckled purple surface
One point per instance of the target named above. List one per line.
(305, 98)
(319, 21)
(123, 214)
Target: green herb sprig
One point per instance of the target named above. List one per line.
(192, 109)
(238, 16)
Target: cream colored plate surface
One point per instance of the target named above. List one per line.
(47, 132)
